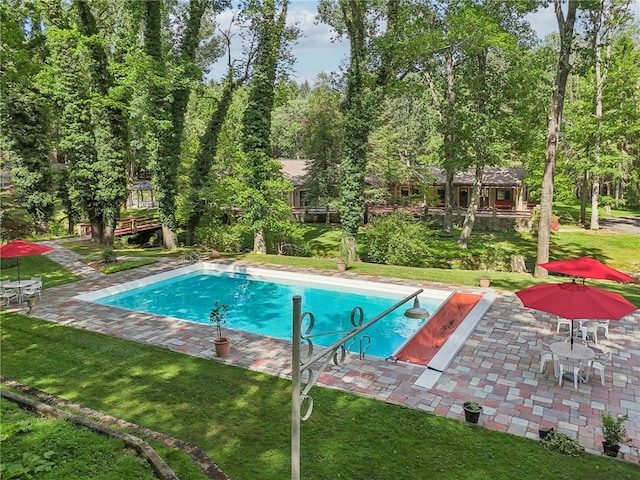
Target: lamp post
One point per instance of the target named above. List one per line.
(335, 352)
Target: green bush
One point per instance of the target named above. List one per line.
(396, 239)
(223, 238)
(561, 443)
(289, 240)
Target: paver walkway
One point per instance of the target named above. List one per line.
(498, 364)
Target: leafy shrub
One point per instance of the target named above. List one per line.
(397, 239)
(289, 240)
(561, 443)
(221, 237)
(108, 256)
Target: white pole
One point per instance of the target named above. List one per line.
(295, 389)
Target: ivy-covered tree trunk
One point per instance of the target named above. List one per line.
(206, 154)
(262, 206)
(170, 98)
(110, 131)
(565, 27)
(24, 118)
(354, 157)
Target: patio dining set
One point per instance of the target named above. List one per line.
(578, 361)
(21, 290)
(593, 308)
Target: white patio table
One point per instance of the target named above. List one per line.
(579, 352)
(19, 285)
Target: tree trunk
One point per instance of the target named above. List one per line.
(449, 147)
(584, 194)
(470, 218)
(553, 132)
(108, 235)
(96, 231)
(259, 243)
(169, 238)
(596, 16)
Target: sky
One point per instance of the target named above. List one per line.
(315, 52)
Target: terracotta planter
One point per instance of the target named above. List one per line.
(485, 282)
(471, 415)
(342, 267)
(222, 346)
(31, 302)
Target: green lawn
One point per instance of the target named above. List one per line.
(241, 419)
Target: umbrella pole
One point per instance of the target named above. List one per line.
(572, 334)
(18, 265)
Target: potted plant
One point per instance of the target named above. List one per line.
(218, 316)
(613, 433)
(472, 411)
(490, 259)
(342, 265)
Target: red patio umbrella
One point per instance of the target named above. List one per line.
(586, 267)
(576, 301)
(21, 248)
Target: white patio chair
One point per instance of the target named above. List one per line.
(7, 295)
(32, 290)
(563, 321)
(568, 365)
(600, 362)
(589, 329)
(545, 354)
(604, 324)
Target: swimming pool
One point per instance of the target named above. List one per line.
(260, 301)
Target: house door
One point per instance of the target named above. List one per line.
(464, 197)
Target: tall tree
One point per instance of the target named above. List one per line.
(565, 29)
(369, 71)
(321, 144)
(24, 113)
(605, 19)
(109, 118)
(169, 97)
(199, 178)
(263, 204)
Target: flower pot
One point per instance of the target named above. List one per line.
(222, 346)
(471, 415)
(342, 267)
(544, 431)
(485, 282)
(31, 302)
(610, 450)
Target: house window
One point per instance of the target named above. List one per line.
(502, 194)
(404, 191)
(303, 193)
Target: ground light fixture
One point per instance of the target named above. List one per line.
(314, 363)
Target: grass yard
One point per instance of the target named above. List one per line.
(241, 419)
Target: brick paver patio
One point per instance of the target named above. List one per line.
(498, 364)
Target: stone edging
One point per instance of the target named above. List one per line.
(163, 471)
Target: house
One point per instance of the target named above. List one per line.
(503, 188)
(295, 171)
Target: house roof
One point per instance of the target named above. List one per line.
(491, 176)
(142, 186)
(294, 170)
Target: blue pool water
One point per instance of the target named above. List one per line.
(265, 307)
